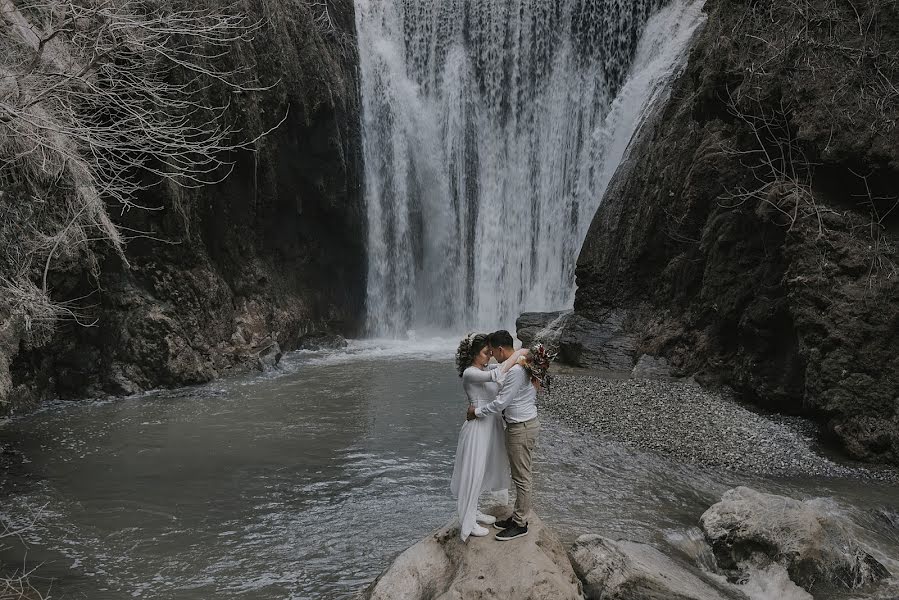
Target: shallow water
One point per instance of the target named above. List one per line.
(306, 483)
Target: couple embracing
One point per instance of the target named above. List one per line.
(500, 431)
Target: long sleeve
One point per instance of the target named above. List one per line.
(514, 379)
(475, 375)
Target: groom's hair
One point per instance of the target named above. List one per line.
(501, 338)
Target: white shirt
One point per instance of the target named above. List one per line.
(516, 396)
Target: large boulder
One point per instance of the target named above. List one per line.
(532, 327)
(601, 343)
(625, 570)
(443, 567)
(269, 357)
(322, 340)
(811, 539)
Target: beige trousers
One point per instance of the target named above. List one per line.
(521, 439)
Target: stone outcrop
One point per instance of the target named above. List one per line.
(750, 530)
(626, 570)
(749, 233)
(274, 253)
(755, 545)
(443, 567)
(601, 343)
(533, 327)
(322, 340)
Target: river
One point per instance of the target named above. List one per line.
(306, 482)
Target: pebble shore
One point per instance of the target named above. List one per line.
(680, 419)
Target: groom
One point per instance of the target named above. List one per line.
(517, 403)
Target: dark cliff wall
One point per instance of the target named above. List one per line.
(273, 253)
(751, 233)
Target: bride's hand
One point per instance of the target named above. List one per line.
(510, 362)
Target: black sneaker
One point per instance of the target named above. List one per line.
(504, 524)
(516, 531)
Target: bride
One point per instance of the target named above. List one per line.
(481, 460)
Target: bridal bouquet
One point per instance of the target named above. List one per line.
(537, 365)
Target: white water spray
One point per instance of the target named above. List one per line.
(490, 131)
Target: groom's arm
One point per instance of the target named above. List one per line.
(512, 384)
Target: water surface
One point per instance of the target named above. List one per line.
(306, 483)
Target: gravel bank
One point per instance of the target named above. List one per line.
(680, 419)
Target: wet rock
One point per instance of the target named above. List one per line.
(269, 357)
(443, 567)
(603, 343)
(532, 327)
(322, 340)
(625, 570)
(811, 539)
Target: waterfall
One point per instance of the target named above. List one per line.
(491, 129)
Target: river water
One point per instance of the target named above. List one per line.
(306, 482)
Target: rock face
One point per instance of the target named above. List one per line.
(748, 234)
(442, 567)
(600, 343)
(532, 327)
(626, 570)
(810, 539)
(273, 253)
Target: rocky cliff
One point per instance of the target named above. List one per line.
(213, 276)
(749, 237)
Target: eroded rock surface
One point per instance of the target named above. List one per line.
(443, 567)
(811, 539)
(624, 570)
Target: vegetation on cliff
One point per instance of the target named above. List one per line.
(152, 233)
(751, 232)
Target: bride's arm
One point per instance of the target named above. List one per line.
(516, 356)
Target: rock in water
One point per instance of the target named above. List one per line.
(626, 570)
(810, 539)
(443, 567)
(269, 357)
(322, 340)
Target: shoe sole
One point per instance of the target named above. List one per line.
(487, 523)
(497, 525)
(507, 539)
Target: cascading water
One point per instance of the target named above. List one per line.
(491, 130)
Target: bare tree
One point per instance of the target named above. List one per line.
(100, 100)
(17, 584)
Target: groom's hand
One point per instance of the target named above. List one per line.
(470, 416)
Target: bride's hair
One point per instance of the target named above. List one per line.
(469, 347)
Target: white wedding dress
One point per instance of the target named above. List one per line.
(481, 461)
